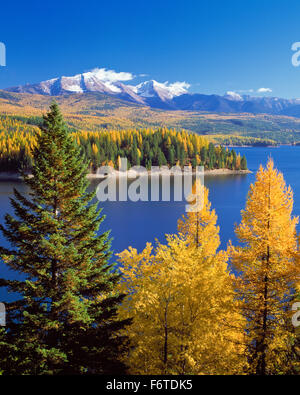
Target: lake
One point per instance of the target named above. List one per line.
(135, 223)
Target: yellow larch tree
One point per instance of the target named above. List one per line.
(268, 271)
(199, 225)
(181, 299)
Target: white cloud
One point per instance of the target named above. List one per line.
(234, 95)
(264, 90)
(111, 75)
(176, 88)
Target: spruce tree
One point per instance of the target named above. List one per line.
(243, 163)
(65, 320)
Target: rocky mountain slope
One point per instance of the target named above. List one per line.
(161, 95)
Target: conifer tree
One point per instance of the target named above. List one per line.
(268, 271)
(65, 319)
(199, 225)
(185, 316)
(243, 163)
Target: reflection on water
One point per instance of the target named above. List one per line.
(134, 223)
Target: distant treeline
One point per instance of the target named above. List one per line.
(232, 140)
(147, 147)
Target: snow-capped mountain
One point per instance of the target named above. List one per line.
(154, 94)
(172, 96)
(150, 93)
(80, 83)
(164, 91)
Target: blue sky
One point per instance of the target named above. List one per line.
(216, 46)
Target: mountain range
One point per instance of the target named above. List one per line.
(162, 95)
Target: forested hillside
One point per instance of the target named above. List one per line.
(174, 308)
(146, 147)
(95, 111)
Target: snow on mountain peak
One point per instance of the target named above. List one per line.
(99, 80)
(164, 90)
(72, 84)
(109, 82)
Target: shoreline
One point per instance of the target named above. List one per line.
(6, 176)
(134, 174)
(255, 146)
(216, 172)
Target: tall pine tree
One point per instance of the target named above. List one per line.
(65, 321)
(268, 271)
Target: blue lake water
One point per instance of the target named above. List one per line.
(135, 223)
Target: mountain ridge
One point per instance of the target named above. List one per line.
(162, 95)
(94, 111)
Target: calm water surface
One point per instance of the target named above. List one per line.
(136, 223)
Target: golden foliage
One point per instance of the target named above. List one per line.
(199, 224)
(268, 270)
(185, 317)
